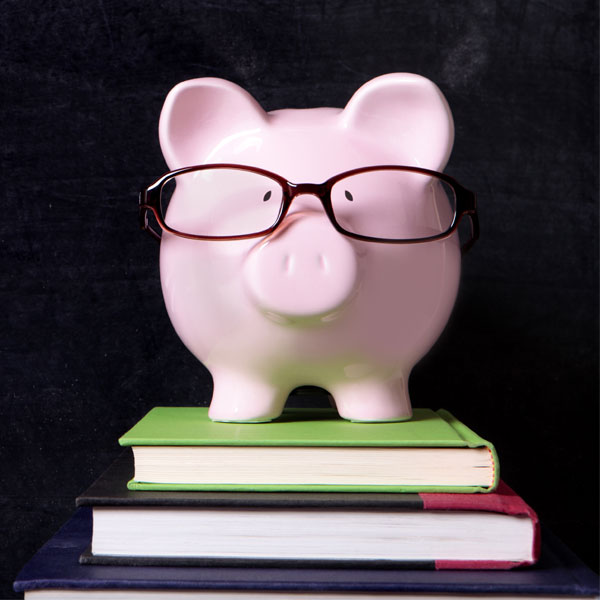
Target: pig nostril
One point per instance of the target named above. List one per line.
(323, 264)
(288, 264)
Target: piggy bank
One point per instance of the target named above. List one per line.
(308, 246)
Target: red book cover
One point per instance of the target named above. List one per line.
(503, 500)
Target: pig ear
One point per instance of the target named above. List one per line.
(199, 113)
(409, 114)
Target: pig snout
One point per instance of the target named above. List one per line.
(304, 269)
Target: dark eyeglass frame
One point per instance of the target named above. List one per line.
(466, 203)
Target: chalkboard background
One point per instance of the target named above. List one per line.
(87, 347)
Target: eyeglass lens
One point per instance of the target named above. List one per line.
(221, 202)
(393, 204)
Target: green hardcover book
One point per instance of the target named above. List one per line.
(180, 448)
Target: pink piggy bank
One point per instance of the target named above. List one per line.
(308, 247)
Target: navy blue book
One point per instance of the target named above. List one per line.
(55, 572)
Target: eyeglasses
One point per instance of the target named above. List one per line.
(386, 204)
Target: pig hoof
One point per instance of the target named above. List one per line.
(239, 399)
(370, 401)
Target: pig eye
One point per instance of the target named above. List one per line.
(349, 196)
(267, 196)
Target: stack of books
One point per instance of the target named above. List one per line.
(308, 505)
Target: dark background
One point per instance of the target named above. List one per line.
(87, 347)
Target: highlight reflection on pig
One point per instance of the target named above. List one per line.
(275, 279)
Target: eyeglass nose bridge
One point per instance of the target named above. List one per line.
(313, 189)
(318, 190)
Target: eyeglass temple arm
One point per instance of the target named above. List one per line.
(470, 210)
(474, 234)
(144, 208)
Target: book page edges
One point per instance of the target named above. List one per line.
(473, 440)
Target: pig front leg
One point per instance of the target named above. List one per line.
(241, 398)
(373, 400)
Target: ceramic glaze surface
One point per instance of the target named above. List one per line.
(307, 305)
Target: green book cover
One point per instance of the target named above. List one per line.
(303, 427)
